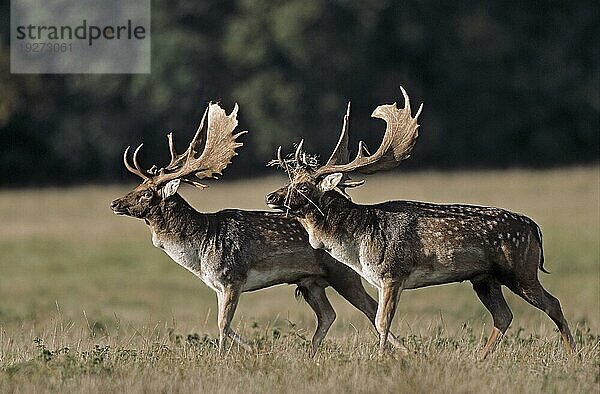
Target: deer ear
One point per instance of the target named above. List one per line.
(330, 181)
(170, 188)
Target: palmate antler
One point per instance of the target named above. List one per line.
(400, 136)
(208, 154)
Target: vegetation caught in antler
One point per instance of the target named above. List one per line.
(208, 154)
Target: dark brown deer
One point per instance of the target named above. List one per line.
(234, 251)
(400, 245)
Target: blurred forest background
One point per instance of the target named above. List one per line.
(504, 85)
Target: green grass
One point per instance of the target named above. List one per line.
(88, 304)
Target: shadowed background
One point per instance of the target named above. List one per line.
(503, 85)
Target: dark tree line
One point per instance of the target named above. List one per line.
(504, 84)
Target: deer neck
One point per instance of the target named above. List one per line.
(328, 224)
(337, 230)
(175, 221)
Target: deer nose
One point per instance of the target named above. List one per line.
(272, 198)
(114, 204)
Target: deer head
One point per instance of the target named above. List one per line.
(208, 154)
(309, 181)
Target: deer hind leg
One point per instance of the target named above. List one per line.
(534, 293)
(315, 296)
(228, 299)
(490, 293)
(353, 291)
(388, 300)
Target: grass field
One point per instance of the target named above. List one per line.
(87, 304)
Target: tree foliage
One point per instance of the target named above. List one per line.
(502, 85)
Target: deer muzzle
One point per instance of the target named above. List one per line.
(117, 207)
(274, 200)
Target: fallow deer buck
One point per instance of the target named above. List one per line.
(399, 245)
(234, 251)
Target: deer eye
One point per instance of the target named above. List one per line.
(147, 195)
(303, 188)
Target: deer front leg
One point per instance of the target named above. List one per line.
(388, 299)
(239, 340)
(351, 288)
(227, 299)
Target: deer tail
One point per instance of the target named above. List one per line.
(538, 237)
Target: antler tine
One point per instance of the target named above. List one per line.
(196, 140)
(172, 150)
(419, 111)
(281, 161)
(298, 151)
(280, 157)
(407, 104)
(134, 170)
(126, 162)
(131, 169)
(399, 139)
(137, 165)
(406, 100)
(340, 154)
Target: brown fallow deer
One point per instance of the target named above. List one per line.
(399, 245)
(234, 251)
